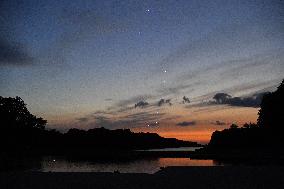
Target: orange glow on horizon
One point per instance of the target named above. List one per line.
(204, 119)
(202, 131)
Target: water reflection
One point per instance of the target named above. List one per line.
(137, 166)
(64, 164)
(148, 165)
(180, 149)
(164, 162)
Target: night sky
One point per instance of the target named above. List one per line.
(145, 65)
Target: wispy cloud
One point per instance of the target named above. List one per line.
(231, 75)
(248, 89)
(174, 90)
(251, 101)
(134, 120)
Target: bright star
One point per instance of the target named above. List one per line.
(148, 10)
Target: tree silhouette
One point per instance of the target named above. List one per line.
(234, 126)
(271, 114)
(14, 114)
(20, 130)
(265, 136)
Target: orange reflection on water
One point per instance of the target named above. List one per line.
(163, 162)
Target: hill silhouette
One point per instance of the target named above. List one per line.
(22, 132)
(264, 137)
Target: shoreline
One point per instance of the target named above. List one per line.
(170, 177)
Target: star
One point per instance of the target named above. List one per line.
(147, 10)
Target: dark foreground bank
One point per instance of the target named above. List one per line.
(171, 177)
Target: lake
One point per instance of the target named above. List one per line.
(181, 149)
(64, 164)
(58, 164)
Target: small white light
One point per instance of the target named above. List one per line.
(54, 160)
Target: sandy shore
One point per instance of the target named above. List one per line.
(171, 177)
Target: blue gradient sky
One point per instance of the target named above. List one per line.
(70, 60)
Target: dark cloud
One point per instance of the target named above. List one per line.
(259, 88)
(186, 123)
(13, 54)
(221, 97)
(185, 99)
(218, 123)
(164, 101)
(251, 101)
(141, 104)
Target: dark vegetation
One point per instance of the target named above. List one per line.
(22, 132)
(266, 137)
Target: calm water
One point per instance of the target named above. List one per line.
(190, 149)
(63, 164)
(137, 166)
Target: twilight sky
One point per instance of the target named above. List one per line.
(145, 65)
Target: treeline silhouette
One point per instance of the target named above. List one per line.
(22, 132)
(266, 136)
